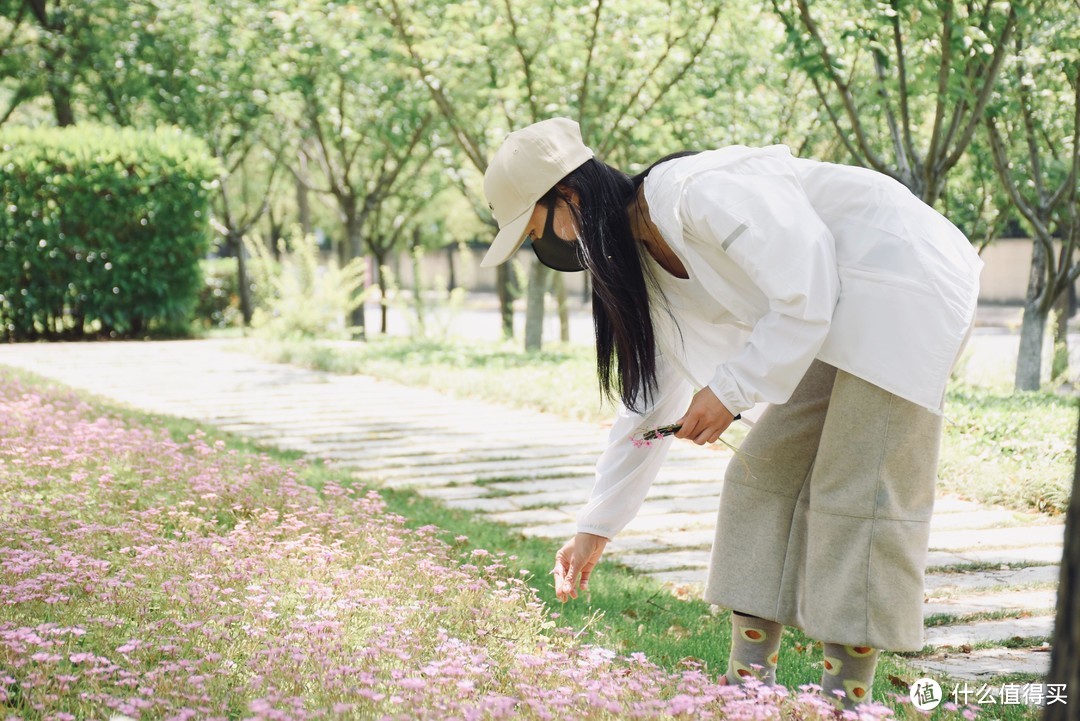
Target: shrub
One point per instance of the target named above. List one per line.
(102, 230)
(304, 299)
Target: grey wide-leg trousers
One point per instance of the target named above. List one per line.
(825, 514)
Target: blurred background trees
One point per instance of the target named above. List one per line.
(368, 125)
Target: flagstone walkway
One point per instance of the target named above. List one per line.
(992, 575)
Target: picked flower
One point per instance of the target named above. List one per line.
(645, 438)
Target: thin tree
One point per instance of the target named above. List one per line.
(1035, 140)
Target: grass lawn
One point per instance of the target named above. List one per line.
(158, 570)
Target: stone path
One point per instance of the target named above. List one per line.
(993, 572)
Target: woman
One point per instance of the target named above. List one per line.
(749, 276)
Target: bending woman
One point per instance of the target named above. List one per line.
(736, 276)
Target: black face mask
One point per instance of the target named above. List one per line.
(556, 253)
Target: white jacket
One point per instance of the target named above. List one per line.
(789, 260)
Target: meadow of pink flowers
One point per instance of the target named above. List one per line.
(183, 580)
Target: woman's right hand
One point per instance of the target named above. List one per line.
(574, 563)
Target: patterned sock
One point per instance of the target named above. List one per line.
(755, 649)
(849, 669)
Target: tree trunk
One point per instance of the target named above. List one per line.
(1060, 365)
(418, 289)
(303, 206)
(61, 97)
(380, 279)
(506, 300)
(534, 307)
(1029, 358)
(352, 247)
(451, 278)
(558, 283)
(1065, 656)
(243, 282)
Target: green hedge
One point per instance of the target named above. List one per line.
(102, 230)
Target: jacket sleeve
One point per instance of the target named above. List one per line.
(761, 219)
(625, 471)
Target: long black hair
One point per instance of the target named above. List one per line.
(625, 341)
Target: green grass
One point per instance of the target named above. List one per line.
(1014, 450)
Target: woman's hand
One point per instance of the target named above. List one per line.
(705, 420)
(574, 563)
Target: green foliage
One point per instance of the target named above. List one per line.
(102, 230)
(304, 299)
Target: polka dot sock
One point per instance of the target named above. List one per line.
(755, 649)
(849, 669)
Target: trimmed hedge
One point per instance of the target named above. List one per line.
(101, 231)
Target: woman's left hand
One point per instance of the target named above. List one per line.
(705, 420)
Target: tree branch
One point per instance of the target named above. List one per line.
(1069, 186)
(984, 95)
(1001, 164)
(526, 61)
(942, 91)
(905, 96)
(583, 93)
(313, 107)
(835, 119)
(468, 143)
(609, 139)
(386, 181)
(843, 87)
(37, 7)
(674, 79)
(493, 76)
(899, 146)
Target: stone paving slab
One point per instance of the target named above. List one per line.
(1034, 555)
(539, 516)
(483, 505)
(966, 605)
(575, 497)
(994, 631)
(939, 583)
(952, 504)
(997, 538)
(463, 491)
(547, 485)
(668, 523)
(987, 518)
(687, 490)
(460, 451)
(693, 579)
(653, 562)
(984, 664)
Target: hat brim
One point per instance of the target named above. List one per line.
(508, 240)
